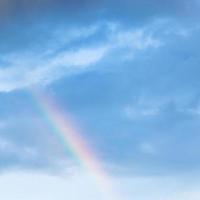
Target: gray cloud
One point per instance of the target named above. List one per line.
(84, 10)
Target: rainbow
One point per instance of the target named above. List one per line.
(71, 140)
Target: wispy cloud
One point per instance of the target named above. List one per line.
(7, 147)
(43, 71)
(141, 110)
(147, 148)
(56, 61)
(135, 39)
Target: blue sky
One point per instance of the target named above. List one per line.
(128, 73)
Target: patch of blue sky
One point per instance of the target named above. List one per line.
(130, 76)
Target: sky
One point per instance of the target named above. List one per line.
(88, 85)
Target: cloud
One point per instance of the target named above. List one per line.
(134, 39)
(11, 150)
(137, 113)
(159, 187)
(26, 74)
(56, 61)
(2, 125)
(88, 10)
(25, 185)
(49, 187)
(21, 8)
(142, 109)
(147, 148)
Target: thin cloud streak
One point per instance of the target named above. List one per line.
(30, 69)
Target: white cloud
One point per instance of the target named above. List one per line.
(193, 111)
(159, 188)
(143, 108)
(3, 124)
(27, 69)
(8, 147)
(80, 58)
(5, 145)
(64, 35)
(27, 185)
(147, 148)
(81, 186)
(137, 112)
(135, 39)
(45, 70)
(55, 58)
